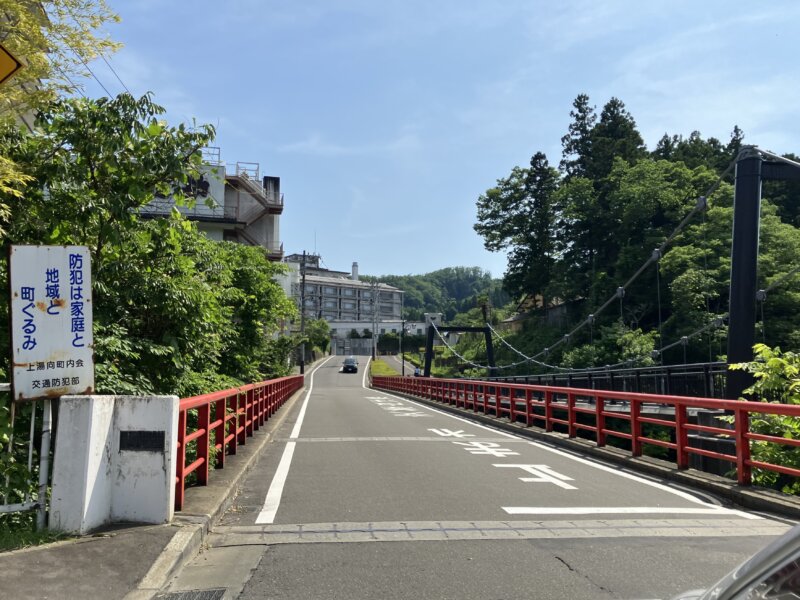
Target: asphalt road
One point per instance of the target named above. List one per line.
(366, 495)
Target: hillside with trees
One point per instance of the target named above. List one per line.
(578, 231)
(449, 291)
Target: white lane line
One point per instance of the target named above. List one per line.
(685, 495)
(273, 499)
(446, 414)
(618, 510)
(366, 372)
(680, 493)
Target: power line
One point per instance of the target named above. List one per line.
(108, 64)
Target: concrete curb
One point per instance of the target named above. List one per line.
(745, 496)
(204, 506)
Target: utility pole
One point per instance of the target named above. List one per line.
(374, 318)
(402, 332)
(303, 314)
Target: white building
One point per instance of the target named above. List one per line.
(234, 203)
(342, 299)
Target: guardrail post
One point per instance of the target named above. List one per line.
(636, 427)
(528, 409)
(548, 411)
(203, 421)
(219, 432)
(681, 436)
(180, 463)
(743, 468)
(232, 404)
(241, 418)
(600, 420)
(249, 412)
(573, 431)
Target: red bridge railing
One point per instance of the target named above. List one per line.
(236, 414)
(548, 407)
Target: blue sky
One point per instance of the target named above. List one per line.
(387, 119)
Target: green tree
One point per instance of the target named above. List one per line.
(319, 333)
(55, 39)
(519, 215)
(576, 145)
(174, 311)
(777, 379)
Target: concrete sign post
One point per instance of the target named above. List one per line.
(51, 321)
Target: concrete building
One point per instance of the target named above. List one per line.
(234, 203)
(342, 299)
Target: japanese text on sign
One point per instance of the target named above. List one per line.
(51, 319)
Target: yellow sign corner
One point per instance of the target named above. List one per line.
(8, 65)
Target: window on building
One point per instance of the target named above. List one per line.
(328, 290)
(366, 294)
(383, 331)
(394, 330)
(348, 291)
(330, 304)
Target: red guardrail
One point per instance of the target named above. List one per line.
(237, 413)
(547, 406)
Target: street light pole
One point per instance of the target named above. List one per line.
(402, 350)
(374, 317)
(402, 331)
(303, 314)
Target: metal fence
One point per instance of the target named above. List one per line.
(212, 426)
(20, 497)
(705, 380)
(586, 411)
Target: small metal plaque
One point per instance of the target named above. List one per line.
(141, 441)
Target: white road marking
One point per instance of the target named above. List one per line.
(273, 499)
(542, 474)
(619, 510)
(620, 473)
(450, 433)
(680, 493)
(366, 372)
(487, 448)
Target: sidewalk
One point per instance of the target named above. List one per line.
(133, 562)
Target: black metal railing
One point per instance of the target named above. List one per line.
(704, 380)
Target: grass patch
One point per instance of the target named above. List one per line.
(18, 531)
(379, 368)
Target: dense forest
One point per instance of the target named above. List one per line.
(449, 291)
(656, 223)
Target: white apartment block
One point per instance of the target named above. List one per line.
(341, 298)
(234, 203)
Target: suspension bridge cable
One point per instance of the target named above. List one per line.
(774, 156)
(701, 205)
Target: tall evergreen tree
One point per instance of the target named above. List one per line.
(576, 145)
(614, 136)
(519, 215)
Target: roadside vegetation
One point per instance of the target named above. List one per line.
(174, 312)
(379, 368)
